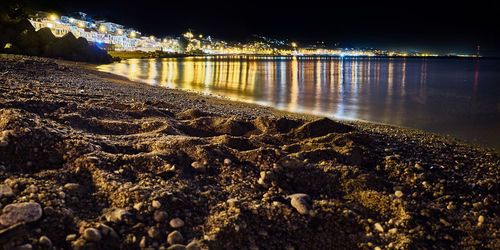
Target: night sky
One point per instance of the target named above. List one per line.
(436, 26)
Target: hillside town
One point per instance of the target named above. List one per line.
(116, 37)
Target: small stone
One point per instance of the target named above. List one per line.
(199, 166)
(174, 237)
(480, 219)
(153, 232)
(233, 202)
(379, 227)
(107, 230)
(398, 194)
(417, 166)
(143, 243)
(193, 245)
(176, 247)
(92, 234)
(5, 191)
(160, 215)
(156, 204)
(45, 241)
(70, 237)
(117, 215)
(176, 223)
(301, 202)
(78, 244)
(20, 212)
(393, 231)
(444, 222)
(138, 206)
(24, 247)
(227, 161)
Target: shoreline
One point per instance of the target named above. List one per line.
(302, 115)
(158, 55)
(121, 164)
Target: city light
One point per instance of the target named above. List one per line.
(188, 35)
(128, 39)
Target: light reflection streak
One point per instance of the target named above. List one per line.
(339, 87)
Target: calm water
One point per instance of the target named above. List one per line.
(459, 97)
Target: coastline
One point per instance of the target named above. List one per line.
(97, 151)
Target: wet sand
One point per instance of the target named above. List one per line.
(89, 160)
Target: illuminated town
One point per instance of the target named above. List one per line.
(115, 37)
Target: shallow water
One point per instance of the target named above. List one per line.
(458, 97)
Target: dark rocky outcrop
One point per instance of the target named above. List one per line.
(23, 39)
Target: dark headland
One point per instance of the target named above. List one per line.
(89, 160)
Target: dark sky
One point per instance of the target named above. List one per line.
(441, 26)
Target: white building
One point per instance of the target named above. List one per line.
(101, 32)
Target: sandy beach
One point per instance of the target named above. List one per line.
(90, 160)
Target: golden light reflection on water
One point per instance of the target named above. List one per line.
(332, 86)
(395, 91)
(437, 95)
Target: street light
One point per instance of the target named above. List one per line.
(102, 28)
(53, 17)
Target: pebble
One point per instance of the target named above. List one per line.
(117, 215)
(160, 215)
(92, 234)
(107, 230)
(480, 219)
(398, 194)
(143, 243)
(233, 202)
(20, 212)
(300, 202)
(227, 161)
(70, 237)
(417, 166)
(45, 241)
(24, 247)
(176, 223)
(5, 191)
(138, 206)
(193, 245)
(156, 204)
(153, 232)
(174, 237)
(176, 247)
(378, 227)
(199, 166)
